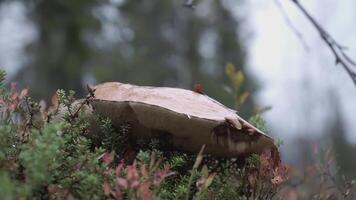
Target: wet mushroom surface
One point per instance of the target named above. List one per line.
(184, 119)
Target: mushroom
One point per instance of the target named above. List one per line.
(185, 119)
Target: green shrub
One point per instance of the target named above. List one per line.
(51, 153)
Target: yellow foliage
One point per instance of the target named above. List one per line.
(236, 77)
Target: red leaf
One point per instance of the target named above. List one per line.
(69, 196)
(280, 174)
(106, 157)
(106, 187)
(135, 184)
(118, 192)
(132, 176)
(15, 96)
(198, 88)
(13, 85)
(315, 149)
(122, 182)
(161, 175)
(55, 103)
(145, 191)
(13, 106)
(23, 93)
(118, 170)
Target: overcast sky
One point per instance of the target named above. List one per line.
(297, 82)
(15, 32)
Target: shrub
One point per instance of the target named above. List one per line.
(52, 153)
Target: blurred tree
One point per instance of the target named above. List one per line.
(343, 148)
(60, 51)
(156, 42)
(337, 132)
(164, 43)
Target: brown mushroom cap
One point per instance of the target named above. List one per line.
(184, 118)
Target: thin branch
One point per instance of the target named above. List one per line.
(338, 50)
(86, 101)
(296, 32)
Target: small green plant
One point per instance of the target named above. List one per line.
(237, 79)
(54, 153)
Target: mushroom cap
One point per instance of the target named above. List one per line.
(183, 118)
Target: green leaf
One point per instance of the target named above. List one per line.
(238, 79)
(230, 69)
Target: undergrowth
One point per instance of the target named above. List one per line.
(52, 152)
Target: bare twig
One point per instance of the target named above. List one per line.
(338, 50)
(86, 101)
(296, 32)
(32, 110)
(29, 106)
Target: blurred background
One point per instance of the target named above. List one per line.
(66, 44)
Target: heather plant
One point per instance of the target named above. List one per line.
(44, 160)
(53, 152)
